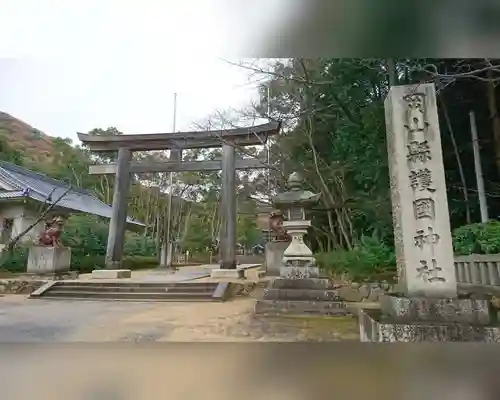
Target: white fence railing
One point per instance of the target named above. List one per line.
(478, 269)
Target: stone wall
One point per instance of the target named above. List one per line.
(358, 292)
(26, 283)
(19, 286)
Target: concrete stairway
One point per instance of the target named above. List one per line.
(134, 291)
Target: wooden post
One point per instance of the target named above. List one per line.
(228, 207)
(117, 224)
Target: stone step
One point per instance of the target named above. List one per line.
(147, 291)
(302, 294)
(132, 300)
(282, 307)
(136, 289)
(129, 296)
(311, 283)
(208, 285)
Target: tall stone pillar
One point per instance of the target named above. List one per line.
(228, 209)
(419, 202)
(117, 224)
(429, 308)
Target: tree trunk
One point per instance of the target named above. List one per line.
(494, 117)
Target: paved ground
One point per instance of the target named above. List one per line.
(29, 320)
(38, 320)
(105, 372)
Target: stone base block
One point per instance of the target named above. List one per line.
(48, 260)
(293, 272)
(421, 309)
(310, 283)
(274, 257)
(373, 328)
(111, 273)
(236, 273)
(301, 308)
(301, 294)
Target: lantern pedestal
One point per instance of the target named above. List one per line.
(298, 260)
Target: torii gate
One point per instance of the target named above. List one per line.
(176, 142)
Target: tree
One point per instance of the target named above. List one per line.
(334, 133)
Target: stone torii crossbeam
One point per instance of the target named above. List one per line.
(176, 142)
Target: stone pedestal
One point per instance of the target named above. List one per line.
(424, 319)
(48, 260)
(111, 274)
(220, 273)
(274, 254)
(306, 296)
(298, 260)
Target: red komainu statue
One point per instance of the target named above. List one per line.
(52, 232)
(276, 225)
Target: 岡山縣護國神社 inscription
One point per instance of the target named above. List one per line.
(420, 206)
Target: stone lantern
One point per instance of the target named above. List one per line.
(298, 260)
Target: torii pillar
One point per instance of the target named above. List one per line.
(116, 233)
(228, 267)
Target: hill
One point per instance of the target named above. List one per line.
(33, 144)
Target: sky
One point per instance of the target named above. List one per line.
(71, 66)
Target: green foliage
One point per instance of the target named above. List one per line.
(7, 153)
(139, 245)
(17, 261)
(86, 234)
(367, 260)
(477, 239)
(79, 262)
(247, 233)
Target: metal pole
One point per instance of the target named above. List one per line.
(483, 204)
(391, 71)
(168, 234)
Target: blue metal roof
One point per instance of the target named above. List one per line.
(25, 183)
(12, 194)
